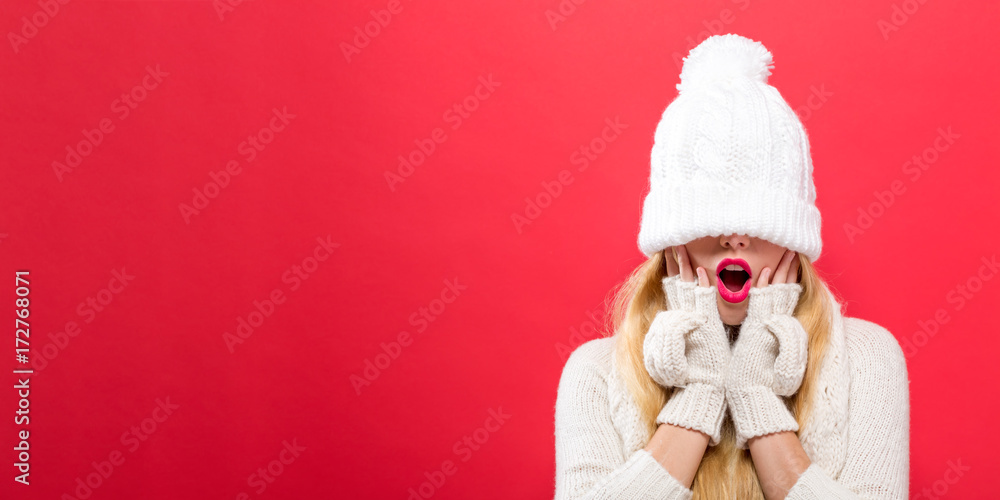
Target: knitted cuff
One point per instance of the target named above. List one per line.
(700, 407)
(689, 296)
(757, 411)
(776, 298)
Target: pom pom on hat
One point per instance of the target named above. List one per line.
(725, 56)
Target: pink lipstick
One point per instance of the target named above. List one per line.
(734, 282)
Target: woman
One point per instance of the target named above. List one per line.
(728, 313)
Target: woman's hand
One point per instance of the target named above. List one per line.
(684, 266)
(769, 358)
(788, 271)
(687, 347)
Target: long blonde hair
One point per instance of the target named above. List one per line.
(725, 471)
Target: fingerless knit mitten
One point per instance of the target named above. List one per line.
(687, 347)
(769, 360)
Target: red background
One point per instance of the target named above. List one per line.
(528, 289)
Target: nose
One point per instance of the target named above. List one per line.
(735, 241)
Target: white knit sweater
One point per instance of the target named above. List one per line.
(859, 448)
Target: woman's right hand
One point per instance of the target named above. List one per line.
(687, 347)
(683, 267)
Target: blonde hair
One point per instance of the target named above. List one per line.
(725, 471)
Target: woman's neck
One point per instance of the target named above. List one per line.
(733, 331)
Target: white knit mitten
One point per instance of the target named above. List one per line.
(687, 347)
(769, 360)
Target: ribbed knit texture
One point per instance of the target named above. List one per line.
(730, 156)
(769, 360)
(859, 446)
(687, 347)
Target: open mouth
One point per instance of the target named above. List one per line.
(734, 279)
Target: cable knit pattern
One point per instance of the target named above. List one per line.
(686, 347)
(769, 360)
(857, 438)
(878, 462)
(729, 135)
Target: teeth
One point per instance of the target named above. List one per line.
(734, 267)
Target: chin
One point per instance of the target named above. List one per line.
(732, 314)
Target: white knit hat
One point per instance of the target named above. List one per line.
(730, 156)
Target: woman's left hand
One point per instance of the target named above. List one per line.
(770, 355)
(788, 271)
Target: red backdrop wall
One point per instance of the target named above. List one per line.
(289, 250)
